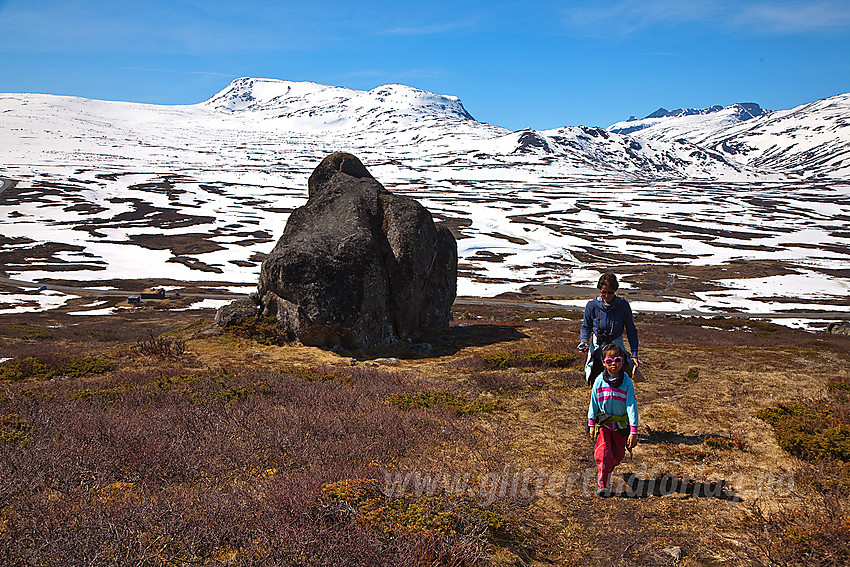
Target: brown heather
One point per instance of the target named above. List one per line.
(139, 439)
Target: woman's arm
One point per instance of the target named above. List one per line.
(631, 330)
(586, 323)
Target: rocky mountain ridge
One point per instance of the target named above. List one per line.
(660, 123)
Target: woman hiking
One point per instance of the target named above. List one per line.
(605, 319)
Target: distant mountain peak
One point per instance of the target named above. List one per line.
(688, 119)
(664, 113)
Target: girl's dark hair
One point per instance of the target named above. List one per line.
(613, 347)
(610, 280)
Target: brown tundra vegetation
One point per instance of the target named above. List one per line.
(148, 438)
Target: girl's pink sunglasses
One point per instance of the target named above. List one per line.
(614, 360)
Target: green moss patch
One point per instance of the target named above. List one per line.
(809, 431)
(457, 402)
(73, 367)
(438, 514)
(14, 429)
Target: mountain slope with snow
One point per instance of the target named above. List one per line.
(687, 123)
(279, 98)
(262, 121)
(811, 140)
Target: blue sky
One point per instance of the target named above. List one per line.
(534, 63)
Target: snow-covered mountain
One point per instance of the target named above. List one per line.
(594, 152)
(683, 122)
(809, 141)
(264, 121)
(333, 106)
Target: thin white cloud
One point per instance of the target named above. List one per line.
(436, 28)
(796, 17)
(625, 17)
(77, 26)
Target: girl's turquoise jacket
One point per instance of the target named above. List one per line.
(613, 400)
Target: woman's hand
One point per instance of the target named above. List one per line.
(632, 441)
(636, 362)
(582, 346)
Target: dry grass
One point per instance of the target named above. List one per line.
(218, 454)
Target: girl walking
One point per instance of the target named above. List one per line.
(612, 417)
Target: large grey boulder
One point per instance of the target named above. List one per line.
(358, 266)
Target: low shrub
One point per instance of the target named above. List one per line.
(457, 402)
(264, 330)
(723, 443)
(438, 514)
(102, 394)
(79, 366)
(29, 332)
(72, 367)
(161, 347)
(222, 384)
(809, 431)
(503, 382)
(14, 429)
(23, 368)
(806, 531)
(322, 375)
(528, 359)
(242, 392)
(172, 466)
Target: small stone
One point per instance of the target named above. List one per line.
(259, 354)
(386, 361)
(841, 328)
(370, 364)
(675, 552)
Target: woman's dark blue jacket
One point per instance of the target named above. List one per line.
(609, 322)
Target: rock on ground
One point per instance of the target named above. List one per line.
(358, 266)
(236, 311)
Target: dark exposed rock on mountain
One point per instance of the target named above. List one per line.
(358, 266)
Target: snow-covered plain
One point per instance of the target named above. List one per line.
(110, 190)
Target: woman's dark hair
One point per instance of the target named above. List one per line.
(615, 348)
(608, 279)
